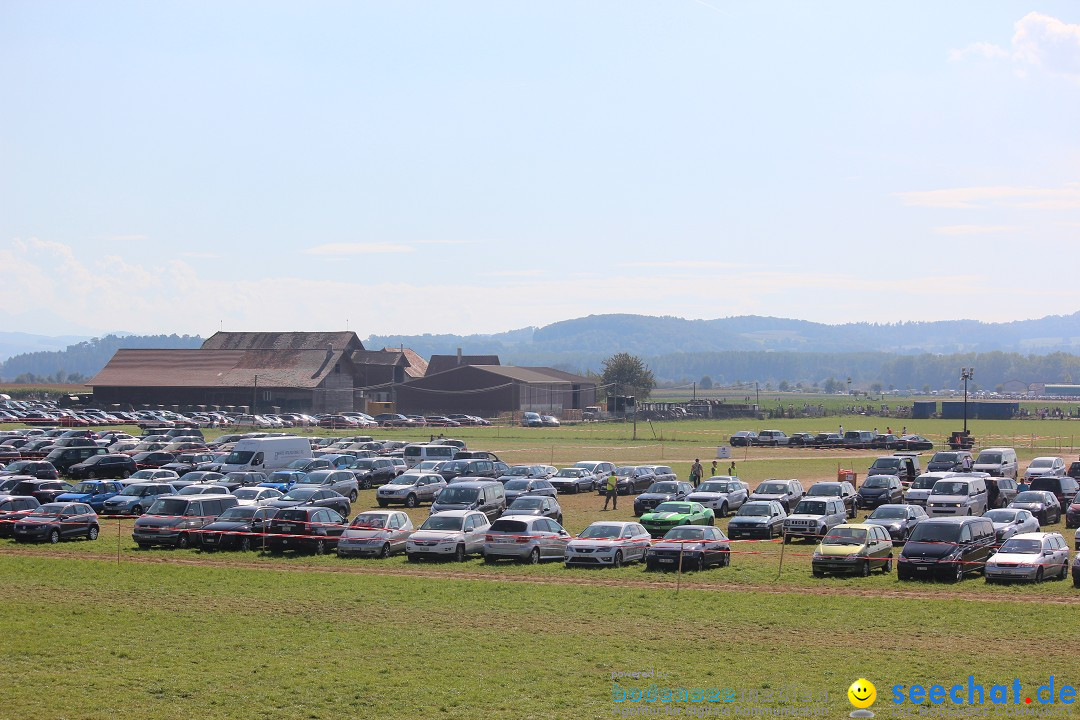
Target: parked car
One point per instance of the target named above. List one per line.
(661, 492)
(690, 547)
(92, 492)
(946, 548)
(45, 491)
(342, 482)
(244, 478)
(1072, 512)
(879, 490)
(771, 438)
(176, 520)
(608, 544)
(1000, 491)
(303, 496)
(835, 488)
(1045, 467)
(758, 519)
(885, 441)
(958, 495)
(572, 480)
(39, 469)
(898, 520)
(528, 471)
(999, 462)
(63, 458)
(1011, 521)
(1064, 488)
(813, 518)
(668, 515)
(103, 466)
(282, 480)
(918, 493)
(904, 466)
(486, 496)
(255, 496)
(1029, 556)
(721, 494)
(536, 505)
(661, 472)
(134, 499)
(380, 533)
(1040, 503)
(306, 528)
(550, 421)
(53, 522)
(525, 486)
(12, 508)
(948, 461)
(410, 489)
(853, 548)
(453, 533)
(802, 439)
(914, 442)
(525, 538)
(531, 420)
(786, 492)
(743, 438)
(370, 472)
(632, 479)
(599, 469)
(238, 528)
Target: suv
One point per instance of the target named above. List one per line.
(1064, 488)
(814, 518)
(836, 488)
(467, 468)
(858, 439)
(948, 460)
(880, 490)
(902, 465)
(374, 471)
(958, 495)
(176, 520)
(103, 466)
(946, 548)
(136, 498)
(487, 496)
(342, 482)
(1000, 462)
(62, 458)
(1045, 467)
(660, 492)
(787, 492)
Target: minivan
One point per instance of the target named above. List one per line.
(958, 495)
(1064, 488)
(946, 548)
(1000, 462)
(487, 496)
(416, 454)
(62, 458)
(176, 520)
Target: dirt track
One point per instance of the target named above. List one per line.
(656, 581)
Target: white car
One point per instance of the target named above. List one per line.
(255, 495)
(721, 494)
(608, 544)
(1045, 467)
(1030, 556)
(452, 533)
(381, 533)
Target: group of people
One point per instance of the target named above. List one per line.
(611, 485)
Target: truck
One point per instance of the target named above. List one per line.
(265, 454)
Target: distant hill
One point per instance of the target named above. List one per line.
(83, 360)
(15, 343)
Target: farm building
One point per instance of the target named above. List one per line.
(487, 390)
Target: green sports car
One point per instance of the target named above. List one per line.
(672, 514)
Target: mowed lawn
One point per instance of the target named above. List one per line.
(88, 639)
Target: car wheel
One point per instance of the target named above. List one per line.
(489, 559)
(1039, 575)
(534, 556)
(459, 553)
(788, 539)
(864, 569)
(887, 567)
(959, 574)
(819, 573)
(353, 495)
(320, 547)
(412, 558)
(1042, 519)
(1076, 581)
(385, 552)
(365, 484)
(383, 503)
(617, 562)
(124, 474)
(91, 475)
(92, 532)
(183, 541)
(712, 521)
(54, 536)
(725, 559)
(245, 544)
(143, 546)
(410, 501)
(723, 510)
(700, 564)
(559, 519)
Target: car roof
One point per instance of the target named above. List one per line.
(952, 520)
(1034, 535)
(479, 482)
(621, 523)
(858, 526)
(457, 513)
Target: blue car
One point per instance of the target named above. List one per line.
(92, 492)
(283, 480)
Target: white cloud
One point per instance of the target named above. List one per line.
(1025, 197)
(357, 249)
(985, 50)
(1038, 41)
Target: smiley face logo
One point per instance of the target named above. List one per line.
(862, 693)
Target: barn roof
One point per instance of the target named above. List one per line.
(217, 368)
(417, 366)
(441, 363)
(343, 340)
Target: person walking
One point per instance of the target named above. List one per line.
(713, 469)
(695, 472)
(611, 488)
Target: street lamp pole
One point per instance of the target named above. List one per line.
(965, 375)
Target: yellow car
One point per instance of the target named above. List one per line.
(854, 548)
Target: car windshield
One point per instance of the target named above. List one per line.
(570, 473)
(924, 483)
(845, 536)
(664, 487)
(945, 457)
(168, 506)
(404, 479)
(239, 457)
(929, 532)
(454, 494)
(16, 466)
(684, 533)
(1042, 463)
(518, 484)
(771, 489)
(442, 522)
(299, 494)
(248, 493)
(371, 521)
(670, 507)
(314, 478)
(944, 487)
(824, 490)
(876, 482)
(813, 507)
(715, 487)
(990, 458)
(886, 463)
(889, 513)
(520, 471)
(755, 510)
(238, 512)
(299, 463)
(526, 503)
(86, 487)
(626, 471)
(1022, 546)
(1030, 496)
(598, 531)
(137, 490)
(1001, 516)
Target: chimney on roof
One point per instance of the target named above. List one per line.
(329, 350)
(459, 356)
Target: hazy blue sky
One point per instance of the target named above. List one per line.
(409, 167)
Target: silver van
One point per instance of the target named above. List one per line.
(487, 496)
(958, 495)
(999, 461)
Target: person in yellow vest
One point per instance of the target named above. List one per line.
(612, 491)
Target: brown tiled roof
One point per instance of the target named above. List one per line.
(217, 368)
(563, 375)
(417, 366)
(343, 340)
(441, 363)
(521, 374)
(377, 357)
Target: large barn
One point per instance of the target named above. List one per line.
(487, 390)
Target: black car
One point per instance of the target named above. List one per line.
(176, 520)
(661, 492)
(898, 519)
(914, 442)
(103, 466)
(187, 462)
(374, 471)
(823, 440)
(880, 490)
(312, 496)
(536, 505)
(40, 469)
(12, 508)
(743, 438)
(312, 529)
(467, 468)
(631, 479)
(63, 458)
(801, 439)
(947, 461)
(946, 548)
(1064, 488)
(153, 459)
(238, 528)
(520, 487)
(45, 491)
(689, 547)
(53, 522)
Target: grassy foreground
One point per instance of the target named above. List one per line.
(84, 638)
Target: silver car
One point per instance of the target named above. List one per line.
(380, 533)
(343, 482)
(255, 495)
(525, 538)
(1030, 556)
(918, 493)
(451, 533)
(608, 544)
(1045, 467)
(1011, 521)
(410, 489)
(721, 494)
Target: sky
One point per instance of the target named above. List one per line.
(410, 167)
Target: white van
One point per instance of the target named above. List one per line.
(416, 454)
(265, 454)
(999, 462)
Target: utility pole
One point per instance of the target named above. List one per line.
(254, 397)
(965, 375)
